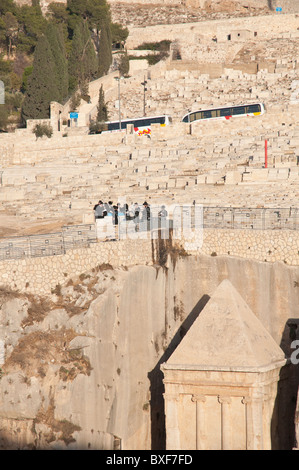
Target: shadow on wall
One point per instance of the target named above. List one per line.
(283, 435)
(158, 431)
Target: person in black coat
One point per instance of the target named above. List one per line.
(99, 210)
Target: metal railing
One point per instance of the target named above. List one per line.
(50, 244)
(251, 219)
(79, 236)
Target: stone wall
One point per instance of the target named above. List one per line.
(40, 275)
(259, 245)
(219, 28)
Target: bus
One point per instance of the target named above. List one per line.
(142, 126)
(225, 112)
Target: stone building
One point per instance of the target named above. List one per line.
(221, 381)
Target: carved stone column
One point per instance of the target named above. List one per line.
(225, 422)
(200, 421)
(172, 423)
(248, 423)
(254, 421)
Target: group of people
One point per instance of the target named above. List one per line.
(137, 213)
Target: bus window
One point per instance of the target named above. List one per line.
(215, 113)
(112, 126)
(206, 114)
(156, 120)
(254, 108)
(225, 112)
(192, 117)
(238, 110)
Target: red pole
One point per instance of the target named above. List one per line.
(266, 154)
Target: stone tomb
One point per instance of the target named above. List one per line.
(221, 380)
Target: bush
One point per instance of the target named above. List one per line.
(75, 101)
(155, 46)
(96, 127)
(154, 59)
(43, 129)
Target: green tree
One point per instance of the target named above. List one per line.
(7, 5)
(42, 87)
(32, 25)
(11, 30)
(76, 7)
(105, 49)
(75, 101)
(55, 38)
(74, 62)
(124, 64)
(58, 13)
(94, 11)
(83, 60)
(119, 33)
(26, 74)
(102, 114)
(3, 117)
(89, 56)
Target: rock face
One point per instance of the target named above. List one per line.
(82, 366)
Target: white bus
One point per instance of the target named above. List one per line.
(142, 126)
(225, 112)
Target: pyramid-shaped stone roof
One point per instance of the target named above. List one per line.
(226, 335)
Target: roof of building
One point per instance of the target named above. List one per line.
(226, 335)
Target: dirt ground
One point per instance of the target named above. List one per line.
(14, 226)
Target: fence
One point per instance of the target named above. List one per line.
(49, 244)
(78, 236)
(251, 219)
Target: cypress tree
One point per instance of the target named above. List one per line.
(42, 86)
(105, 49)
(82, 61)
(74, 63)
(124, 64)
(89, 57)
(102, 114)
(64, 72)
(56, 42)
